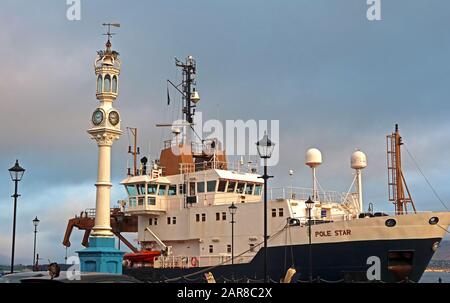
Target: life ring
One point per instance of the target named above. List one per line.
(194, 262)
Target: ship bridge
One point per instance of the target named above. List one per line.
(155, 196)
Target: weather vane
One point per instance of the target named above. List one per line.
(109, 34)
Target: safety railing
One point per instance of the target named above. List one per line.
(299, 193)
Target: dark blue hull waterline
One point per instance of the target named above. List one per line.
(343, 261)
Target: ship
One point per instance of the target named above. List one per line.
(197, 215)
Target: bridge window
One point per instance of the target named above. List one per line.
(211, 249)
(211, 186)
(174, 220)
(197, 217)
(274, 212)
(140, 189)
(249, 189)
(201, 187)
(240, 188)
(131, 190)
(172, 190)
(258, 188)
(162, 190)
(252, 247)
(281, 212)
(231, 186)
(222, 186)
(150, 221)
(203, 217)
(217, 216)
(224, 216)
(168, 220)
(151, 189)
(229, 248)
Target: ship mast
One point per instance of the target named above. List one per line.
(399, 193)
(188, 92)
(133, 150)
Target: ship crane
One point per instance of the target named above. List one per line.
(399, 193)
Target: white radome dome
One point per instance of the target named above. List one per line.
(313, 157)
(359, 160)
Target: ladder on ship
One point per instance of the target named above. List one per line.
(397, 186)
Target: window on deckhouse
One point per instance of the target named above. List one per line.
(231, 186)
(162, 190)
(249, 189)
(258, 189)
(172, 190)
(240, 188)
(131, 189)
(222, 186)
(151, 189)
(201, 187)
(211, 186)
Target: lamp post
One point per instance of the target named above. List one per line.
(16, 173)
(119, 221)
(309, 206)
(232, 209)
(265, 149)
(35, 223)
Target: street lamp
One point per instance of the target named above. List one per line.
(265, 150)
(16, 173)
(119, 221)
(309, 206)
(232, 209)
(35, 223)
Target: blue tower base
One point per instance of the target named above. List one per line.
(101, 256)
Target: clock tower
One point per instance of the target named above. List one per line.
(101, 255)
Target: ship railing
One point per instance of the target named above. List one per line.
(197, 261)
(91, 212)
(187, 168)
(299, 193)
(208, 146)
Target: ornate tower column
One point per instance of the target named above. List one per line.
(105, 130)
(101, 255)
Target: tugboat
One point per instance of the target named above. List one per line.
(195, 214)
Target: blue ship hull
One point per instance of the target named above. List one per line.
(333, 262)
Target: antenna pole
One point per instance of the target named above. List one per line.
(315, 198)
(135, 151)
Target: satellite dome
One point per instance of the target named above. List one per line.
(359, 160)
(313, 157)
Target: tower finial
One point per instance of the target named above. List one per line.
(109, 33)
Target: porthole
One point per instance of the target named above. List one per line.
(433, 220)
(391, 222)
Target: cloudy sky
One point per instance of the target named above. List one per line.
(333, 79)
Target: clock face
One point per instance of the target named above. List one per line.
(114, 118)
(97, 117)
